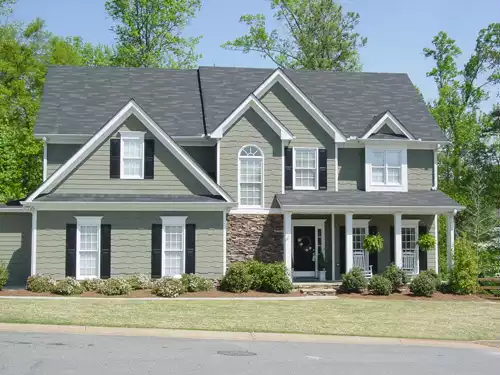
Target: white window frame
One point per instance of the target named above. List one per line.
(412, 224)
(315, 187)
(177, 221)
(261, 171)
(370, 159)
(361, 224)
(137, 136)
(87, 221)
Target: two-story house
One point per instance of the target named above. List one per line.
(165, 172)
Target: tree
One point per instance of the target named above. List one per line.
(316, 34)
(74, 51)
(149, 32)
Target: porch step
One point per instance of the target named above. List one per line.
(316, 288)
(318, 292)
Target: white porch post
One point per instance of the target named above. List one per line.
(450, 239)
(34, 225)
(436, 248)
(287, 241)
(398, 246)
(348, 242)
(333, 246)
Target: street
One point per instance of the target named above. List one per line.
(37, 353)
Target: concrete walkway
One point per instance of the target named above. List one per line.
(235, 336)
(298, 298)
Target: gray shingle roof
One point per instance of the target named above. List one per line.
(362, 198)
(130, 198)
(79, 100)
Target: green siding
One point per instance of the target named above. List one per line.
(307, 132)
(58, 154)
(130, 240)
(15, 246)
(420, 168)
(251, 129)
(351, 168)
(206, 157)
(92, 175)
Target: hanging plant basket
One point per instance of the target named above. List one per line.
(373, 243)
(426, 242)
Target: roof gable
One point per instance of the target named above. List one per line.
(387, 120)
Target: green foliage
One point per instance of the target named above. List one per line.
(434, 276)
(373, 243)
(426, 242)
(463, 277)
(4, 275)
(40, 283)
(140, 281)
(354, 281)
(396, 276)
(149, 32)
(314, 35)
(68, 287)
(423, 285)
(168, 287)
(380, 285)
(115, 286)
(237, 278)
(91, 285)
(489, 261)
(276, 278)
(257, 272)
(195, 283)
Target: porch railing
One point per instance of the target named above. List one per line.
(409, 263)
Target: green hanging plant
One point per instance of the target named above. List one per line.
(373, 243)
(426, 242)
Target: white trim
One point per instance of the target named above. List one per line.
(410, 222)
(299, 96)
(361, 223)
(217, 178)
(178, 221)
(332, 245)
(391, 121)
(282, 167)
(436, 247)
(224, 242)
(34, 224)
(317, 224)
(336, 167)
(255, 211)
(372, 210)
(130, 108)
(398, 251)
(316, 181)
(348, 242)
(136, 136)
(370, 186)
(435, 169)
(450, 239)
(252, 102)
(262, 176)
(88, 220)
(128, 206)
(287, 242)
(187, 140)
(14, 209)
(44, 172)
(410, 144)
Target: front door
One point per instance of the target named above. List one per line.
(304, 251)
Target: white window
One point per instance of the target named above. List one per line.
(88, 247)
(409, 238)
(305, 168)
(359, 232)
(173, 245)
(251, 176)
(132, 155)
(386, 170)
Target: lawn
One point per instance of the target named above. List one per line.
(411, 319)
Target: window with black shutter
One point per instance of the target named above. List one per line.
(422, 255)
(288, 168)
(114, 158)
(70, 250)
(149, 159)
(373, 257)
(322, 170)
(190, 248)
(105, 251)
(156, 251)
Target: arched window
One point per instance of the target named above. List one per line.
(251, 176)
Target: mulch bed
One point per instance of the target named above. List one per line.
(406, 295)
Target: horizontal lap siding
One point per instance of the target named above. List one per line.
(351, 168)
(251, 129)
(130, 240)
(206, 157)
(92, 176)
(420, 168)
(15, 246)
(58, 154)
(307, 132)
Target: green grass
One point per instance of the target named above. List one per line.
(411, 319)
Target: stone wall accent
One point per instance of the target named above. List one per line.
(258, 237)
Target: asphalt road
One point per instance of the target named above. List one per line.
(70, 354)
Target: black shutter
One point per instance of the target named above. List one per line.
(288, 168)
(190, 248)
(156, 251)
(114, 158)
(373, 257)
(392, 248)
(342, 249)
(71, 250)
(422, 255)
(105, 251)
(149, 159)
(322, 173)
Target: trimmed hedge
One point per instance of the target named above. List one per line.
(114, 286)
(91, 285)
(237, 278)
(275, 278)
(168, 287)
(140, 281)
(423, 285)
(196, 283)
(396, 276)
(4, 275)
(40, 283)
(379, 285)
(354, 281)
(68, 286)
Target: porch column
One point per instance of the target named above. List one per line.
(398, 245)
(450, 239)
(287, 241)
(348, 242)
(333, 246)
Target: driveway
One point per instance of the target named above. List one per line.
(37, 353)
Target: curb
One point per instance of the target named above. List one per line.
(299, 298)
(235, 336)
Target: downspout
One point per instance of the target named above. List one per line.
(34, 220)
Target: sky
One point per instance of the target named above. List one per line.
(397, 30)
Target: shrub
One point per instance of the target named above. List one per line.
(489, 261)
(354, 281)
(373, 243)
(396, 276)
(4, 275)
(168, 287)
(380, 285)
(257, 271)
(40, 283)
(140, 281)
(423, 285)
(276, 278)
(426, 242)
(463, 277)
(91, 285)
(114, 286)
(196, 283)
(68, 287)
(434, 276)
(237, 278)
